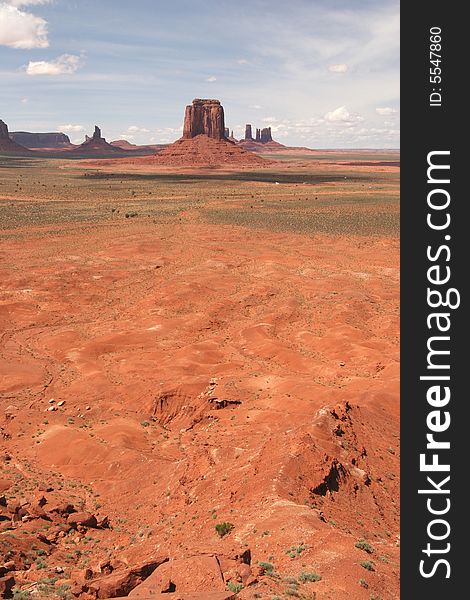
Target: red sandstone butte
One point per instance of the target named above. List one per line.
(206, 117)
(204, 141)
(7, 144)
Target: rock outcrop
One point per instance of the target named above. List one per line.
(41, 140)
(96, 144)
(204, 140)
(7, 145)
(263, 136)
(266, 135)
(227, 133)
(204, 117)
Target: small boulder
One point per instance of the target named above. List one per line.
(82, 519)
(6, 585)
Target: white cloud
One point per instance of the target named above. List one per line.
(24, 100)
(26, 2)
(342, 68)
(70, 128)
(211, 79)
(135, 129)
(64, 65)
(242, 61)
(255, 106)
(386, 111)
(269, 120)
(20, 29)
(341, 115)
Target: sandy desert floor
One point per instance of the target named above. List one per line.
(186, 349)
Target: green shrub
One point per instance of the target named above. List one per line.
(368, 565)
(362, 544)
(20, 594)
(309, 576)
(267, 567)
(223, 528)
(234, 587)
(294, 551)
(363, 583)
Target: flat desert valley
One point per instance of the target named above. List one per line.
(199, 378)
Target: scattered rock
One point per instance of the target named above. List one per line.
(63, 509)
(194, 574)
(82, 519)
(222, 403)
(5, 484)
(118, 583)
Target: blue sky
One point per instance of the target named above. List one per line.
(321, 73)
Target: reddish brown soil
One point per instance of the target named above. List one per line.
(203, 150)
(207, 374)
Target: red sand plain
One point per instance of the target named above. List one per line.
(201, 373)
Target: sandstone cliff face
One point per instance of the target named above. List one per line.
(40, 140)
(266, 135)
(96, 145)
(7, 144)
(263, 136)
(204, 117)
(3, 130)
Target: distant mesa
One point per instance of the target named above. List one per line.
(136, 149)
(41, 140)
(7, 145)
(205, 140)
(96, 145)
(124, 144)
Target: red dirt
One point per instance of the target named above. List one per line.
(202, 150)
(209, 374)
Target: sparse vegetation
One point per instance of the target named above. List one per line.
(266, 566)
(294, 551)
(234, 587)
(362, 544)
(224, 528)
(368, 565)
(363, 583)
(309, 576)
(20, 594)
